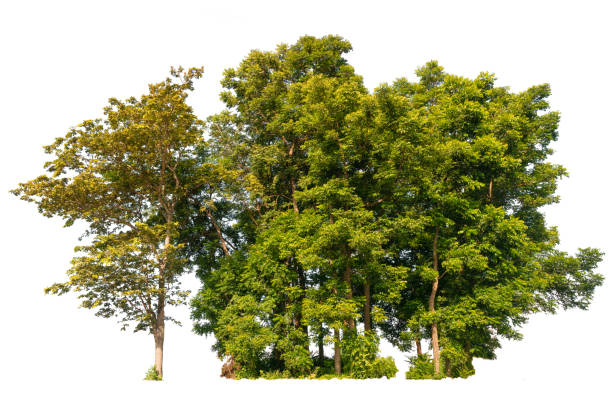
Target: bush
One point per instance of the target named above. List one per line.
(457, 362)
(298, 361)
(152, 375)
(383, 367)
(274, 374)
(421, 368)
(360, 359)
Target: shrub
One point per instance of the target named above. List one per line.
(383, 367)
(274, 374)
(457, 362)
(360, 360)
(421, 368)
(152, 375)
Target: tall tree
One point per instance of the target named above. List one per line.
(259, 141)
(477, 174)
(285, 131)
(125, 176)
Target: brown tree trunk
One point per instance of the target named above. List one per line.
(490, 196)
(432, 300)
(160, 317)
(159, 350)
(367, 316)
(219, 234)
(436, 347)
(337, 364)
(418, 346)
(349, 294)
(229, 368)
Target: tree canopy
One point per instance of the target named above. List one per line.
(126, 176)
(413, 212)
(321, 217)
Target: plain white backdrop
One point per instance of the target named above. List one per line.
(61, 61)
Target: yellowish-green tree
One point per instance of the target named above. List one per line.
(125, 176)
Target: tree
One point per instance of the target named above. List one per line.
(125, 176)
(471, 161)
(415, 210)
(282, 139)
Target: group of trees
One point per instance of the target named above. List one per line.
(319, 215)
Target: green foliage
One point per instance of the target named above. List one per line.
(319, 213)
(421, 368)
(457, 362)
(275, 374)
(297, 360)
(383, 367)
(152, 375)
(286, 139)
(243, 336)
(127, 176)
(124, 175)
(414, 210)
(360, 360)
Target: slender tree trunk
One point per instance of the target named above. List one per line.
(160, 321)
(337, 361)
(300, 269)
(432, 300)
(321, 347)
(281, 308)
(490, 196)
(293, 199)
(160, 325)
(276, 355)
(159, 333)
(349, 294)
(467, 348)
(302, 284)
(159, 349)
(418, 346)
(219, 234)
(367, 316)
(436, 347)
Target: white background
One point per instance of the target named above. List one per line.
(60, 61)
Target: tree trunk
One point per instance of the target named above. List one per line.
(293, 199)
(367, 316)
(160, 318)
(219, 234)
(302, 284)
(418, 346)
(436, 348)
(159, 350)
(337, 364)
(276, 356)
(432, 299)
(160, 325)
(321, 348)
(490, 196)
(349, 293)
(300, 269)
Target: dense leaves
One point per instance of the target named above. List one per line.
(321, 217)
(128, 176)
(412, 212)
